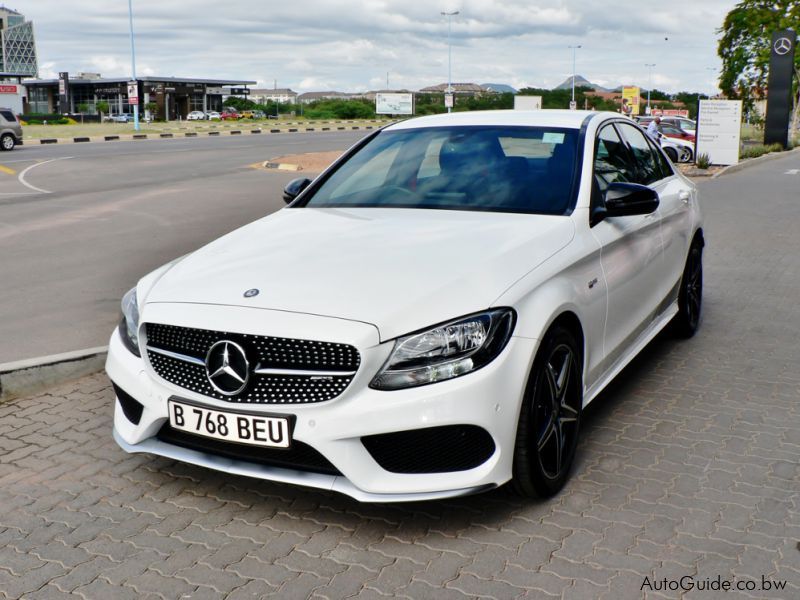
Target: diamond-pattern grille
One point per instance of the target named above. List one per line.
(263, 352)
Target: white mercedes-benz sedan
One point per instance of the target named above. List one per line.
(427, 318)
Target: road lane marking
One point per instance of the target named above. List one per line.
(792, 172)
(21, 177)
(7, 170)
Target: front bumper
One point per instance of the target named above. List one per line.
(489, 398)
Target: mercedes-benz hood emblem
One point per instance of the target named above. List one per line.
(227, 368)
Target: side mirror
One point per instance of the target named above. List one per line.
(294, 187)
(624, 200)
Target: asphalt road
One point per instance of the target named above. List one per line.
(80, 223)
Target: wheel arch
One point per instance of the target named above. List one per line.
(570, 321)
(700, 237)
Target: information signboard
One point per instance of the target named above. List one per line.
(719, 130)
(634, 96)
(133, 93)
(527, 102)
(448, 100)
(394, 103)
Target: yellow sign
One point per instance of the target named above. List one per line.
(631, 97)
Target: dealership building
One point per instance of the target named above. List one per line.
(167, 98)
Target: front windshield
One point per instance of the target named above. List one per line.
(508, 169)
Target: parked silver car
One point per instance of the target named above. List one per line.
(10, 129)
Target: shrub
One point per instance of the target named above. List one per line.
(760, 150)
(703, 161)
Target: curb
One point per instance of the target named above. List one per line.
(751, 162)
(36, 374)
(143, 136)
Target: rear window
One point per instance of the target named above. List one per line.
(504, 169)
(8, 116)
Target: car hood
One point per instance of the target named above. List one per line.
(397, 269)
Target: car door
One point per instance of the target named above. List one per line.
(631, 255)
(674, 194)
(676, 198)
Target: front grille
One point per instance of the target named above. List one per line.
(431, 450)
(310, 371)
(299, 456)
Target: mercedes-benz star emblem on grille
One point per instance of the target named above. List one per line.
(227, 368)
(251, 293)
(782, 46)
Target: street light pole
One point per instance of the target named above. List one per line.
(649, 84)
(574, 49)
(133, 67)
(716, 87)
(449, 16)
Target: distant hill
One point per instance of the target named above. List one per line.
(500, 88)
(580, 81)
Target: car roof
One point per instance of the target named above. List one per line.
(568, 119)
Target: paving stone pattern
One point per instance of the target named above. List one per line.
(687, 466)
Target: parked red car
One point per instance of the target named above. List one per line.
(673, 131)
(669, 128)
(230, 115)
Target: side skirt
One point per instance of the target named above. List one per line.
(645, 338)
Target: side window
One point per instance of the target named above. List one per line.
(664, 164)
(648, 170)
(611, 159)
(8, 116)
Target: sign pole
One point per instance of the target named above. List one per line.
(133, 71)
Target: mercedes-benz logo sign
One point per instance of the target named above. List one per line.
(251, 293)
(782, 46)
(227, 368)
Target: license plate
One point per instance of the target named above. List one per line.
(255, 430)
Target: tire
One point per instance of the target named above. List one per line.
(690, 294)
(686, 155)
(549, 421)
(672, 154)
(7, 142)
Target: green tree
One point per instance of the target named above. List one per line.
(341, 109)
(745, 45)
(102, 107)
(83, 107)
(151, 107)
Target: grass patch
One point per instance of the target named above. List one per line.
(760, 150)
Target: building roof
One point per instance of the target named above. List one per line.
(272, 91)
(147, 79)
(10, 11)
(315, 95)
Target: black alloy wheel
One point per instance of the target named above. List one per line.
(690, 294)
(547, 432)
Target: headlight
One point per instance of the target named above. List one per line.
(446, 351)
(129, 326)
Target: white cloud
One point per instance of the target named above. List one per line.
(350, 45)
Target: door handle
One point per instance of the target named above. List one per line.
(684, 196)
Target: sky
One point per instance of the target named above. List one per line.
(350, 45)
